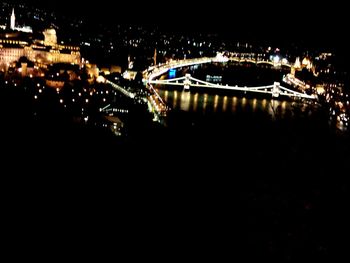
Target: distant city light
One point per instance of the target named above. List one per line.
(172, 73)
(276, 59)
(100, 79)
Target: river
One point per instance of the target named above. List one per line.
(203, 101)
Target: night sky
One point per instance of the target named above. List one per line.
(242, 18)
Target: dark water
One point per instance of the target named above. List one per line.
(207, 103)
(287, 133)
(220, 103)
(263, 178)
(253, 177)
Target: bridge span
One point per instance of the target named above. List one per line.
(151, 75)
(275, 89)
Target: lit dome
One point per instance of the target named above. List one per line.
(50, 37)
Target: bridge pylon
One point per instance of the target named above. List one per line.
(276, 90)
(187, 81)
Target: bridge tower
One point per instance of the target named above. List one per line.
(276, 90)
(187, 81)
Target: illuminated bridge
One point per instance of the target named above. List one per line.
(151, 75)
(156, 71)
(275, 89)
(118, 88)
(121, 89)
(156, 103)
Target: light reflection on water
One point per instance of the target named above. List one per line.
(174, 98)
(254, 104)
(234, 104)
(185, 101)
(216, 101)
(191, 101)
(205, 100)
(224, 104)
(195, 102)
(244, 102)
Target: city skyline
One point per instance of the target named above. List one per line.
(241, 20)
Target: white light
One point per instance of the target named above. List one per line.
(100, 79)
(276, 59)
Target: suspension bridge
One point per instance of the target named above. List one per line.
(188, 81)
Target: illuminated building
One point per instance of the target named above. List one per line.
(13, 47)
(13, 26)
(129, 74)
(297, 64)
(306, 62)
(50, 37)
(114, 124)
(58, 84)
(17, 44)
(13, 20)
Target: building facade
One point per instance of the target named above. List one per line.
(15, 44)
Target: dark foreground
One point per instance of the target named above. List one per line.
(244, 190)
